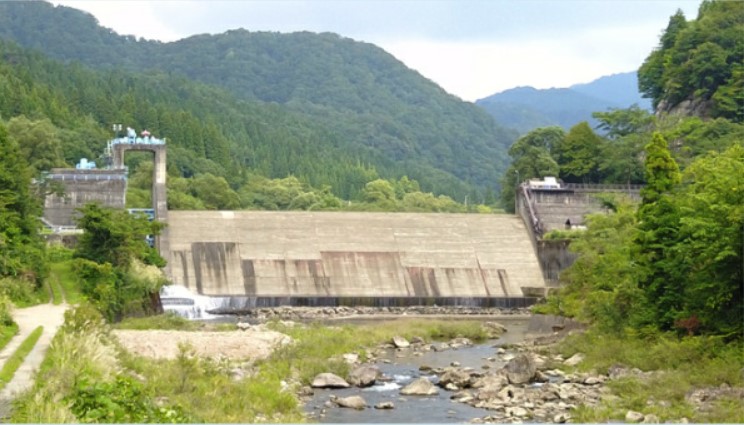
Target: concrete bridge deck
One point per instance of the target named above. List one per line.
(319, 254)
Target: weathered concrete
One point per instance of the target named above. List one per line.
(159, 192)
(320, 254)
(106, 187)
(546, 209)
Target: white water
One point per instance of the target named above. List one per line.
(179, 300)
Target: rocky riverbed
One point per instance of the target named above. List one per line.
(343, 313)
(514, 384)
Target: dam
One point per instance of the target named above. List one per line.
(273, 258)
(272, 254)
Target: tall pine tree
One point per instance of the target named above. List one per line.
(658, 225)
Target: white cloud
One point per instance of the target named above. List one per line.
(127, 18)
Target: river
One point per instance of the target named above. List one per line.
(401, 367)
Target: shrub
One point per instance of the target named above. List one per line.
(121, 400)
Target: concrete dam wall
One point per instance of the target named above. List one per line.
(107, 187)
(330, 254)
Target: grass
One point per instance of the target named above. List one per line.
(212, 396)
(53, 287)
(204, 389)
(680, 365)
(16, 359)
(61, 273)
(7, 332)
(167, 321)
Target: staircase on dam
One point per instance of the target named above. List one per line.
(546, 205)
(347, 254)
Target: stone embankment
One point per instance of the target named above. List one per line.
(329, 313)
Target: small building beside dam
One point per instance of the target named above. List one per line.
(546, 205)
(350, 254)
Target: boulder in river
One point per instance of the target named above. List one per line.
(441, 346)
(633, 417)
(574, 360)
(352, 402)
(401, 342)
(385, 405)
(364, 376)
(420, 386)
(455, 376)
(494, 329)
(329, 380)
(521, 369)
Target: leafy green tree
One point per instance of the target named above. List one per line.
(215, 192)
(699, 61)
(427, 202)
(109, 257)
(662, 172)
(116, 237)
(179, 195)
(532, 157)
(621, 161)
(39, 142)
(651, 79)
(380, 192)
(405, 185)
(621, 157)
(578, 155)
(619, 123)
(693, 137)
(21, 248)
(601, 286)
(710, 247)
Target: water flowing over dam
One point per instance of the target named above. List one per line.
(311, 255)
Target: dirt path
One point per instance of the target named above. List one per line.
(51, 318)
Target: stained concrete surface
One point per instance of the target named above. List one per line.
(266, 253)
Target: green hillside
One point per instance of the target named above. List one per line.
(356, 98)
(698, 67)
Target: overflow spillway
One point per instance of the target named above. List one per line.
(327, 258)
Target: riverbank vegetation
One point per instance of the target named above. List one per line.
(661, 282)
(87, 377)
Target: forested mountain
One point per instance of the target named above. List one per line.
(526, 108)
(698, 67)
(337, 100)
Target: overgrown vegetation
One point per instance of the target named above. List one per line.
(662, 282)
(62, 273)
(80, 380)
(86, 378)
(118, 270)
(671, 369)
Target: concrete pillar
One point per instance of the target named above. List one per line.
(159, 193)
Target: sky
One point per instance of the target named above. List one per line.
(471, 48)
